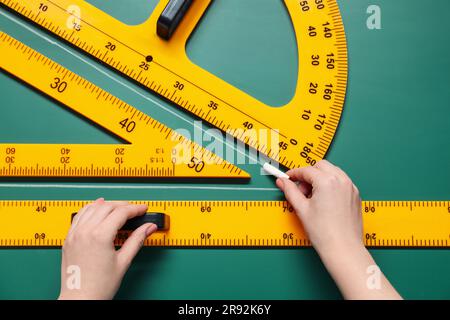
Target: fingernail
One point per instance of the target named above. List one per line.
(100, 199)
(150, 229)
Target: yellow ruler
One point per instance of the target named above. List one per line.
(233, 223)
(155, 150)
(163, 67)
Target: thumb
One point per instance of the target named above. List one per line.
(293, 195)
(134, 243)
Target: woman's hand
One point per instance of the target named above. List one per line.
(91, 267)
(329, 206)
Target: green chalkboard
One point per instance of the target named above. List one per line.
(393, 141)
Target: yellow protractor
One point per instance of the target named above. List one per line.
(163, 66)
(155, 150)
(232, 224)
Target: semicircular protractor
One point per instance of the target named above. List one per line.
(300, 131)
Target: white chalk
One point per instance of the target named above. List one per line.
(270, 169)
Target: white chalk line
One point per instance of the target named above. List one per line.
(152, 187)
(121, 83)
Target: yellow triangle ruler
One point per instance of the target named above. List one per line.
(233, 223)
(155, 150)
(162, 66)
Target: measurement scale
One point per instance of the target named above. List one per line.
(233, 224)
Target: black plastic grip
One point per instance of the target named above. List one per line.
(161, 220)
(171, 16)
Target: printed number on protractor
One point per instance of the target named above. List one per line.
(301, 131)
(207, 223)
(166, 154)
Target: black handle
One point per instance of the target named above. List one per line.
(171, 16)
(161, 220)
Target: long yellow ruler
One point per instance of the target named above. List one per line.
(164, 67)
(155, 150)
(233, 224)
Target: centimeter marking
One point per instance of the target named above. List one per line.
(163, 67)
(155, 149)
(233, 224)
